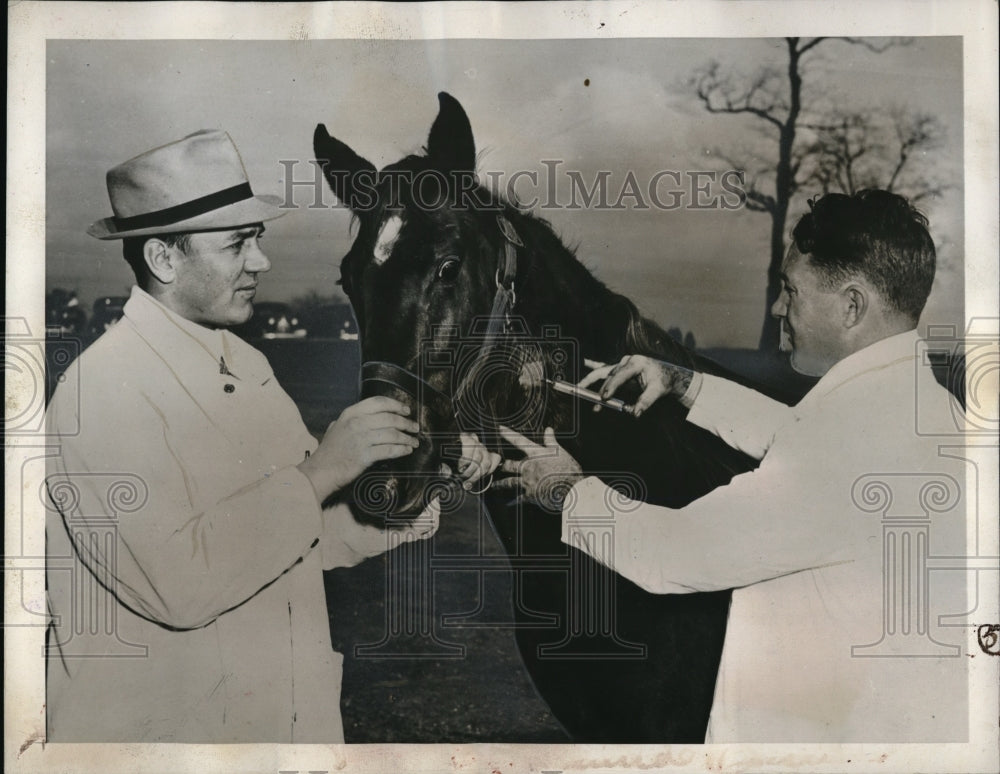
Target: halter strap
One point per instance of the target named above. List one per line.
(505, 297)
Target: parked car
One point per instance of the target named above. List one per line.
(331, 321)
(108, 310)
(68, 320)
(63, 313)
(272, 320)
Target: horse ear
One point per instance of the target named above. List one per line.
(351, 178)
(450, 144)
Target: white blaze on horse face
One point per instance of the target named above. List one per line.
(532, 374)
(386, 239)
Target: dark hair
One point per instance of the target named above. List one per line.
(132, 248)
(877, 235)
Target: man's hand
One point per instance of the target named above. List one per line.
(476, 461)
(656, 379)
(425, 525)
(372, 430)
(545, 474)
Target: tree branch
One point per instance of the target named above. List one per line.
(713, 89)
(879, 48)
(759, 202)
(811, 44)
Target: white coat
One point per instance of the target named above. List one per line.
(803, 542)
(185, 556)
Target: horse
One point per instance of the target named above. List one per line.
(468, 308)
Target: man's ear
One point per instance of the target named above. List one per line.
(160, 260)
(856, 304)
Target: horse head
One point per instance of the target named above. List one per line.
(432, 278)
(467, 306)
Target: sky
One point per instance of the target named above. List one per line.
(576, 106)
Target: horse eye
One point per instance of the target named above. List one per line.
(448, 270)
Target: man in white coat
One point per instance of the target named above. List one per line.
(821, 645)
(188, 535)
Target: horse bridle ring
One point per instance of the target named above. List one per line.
(489, 483)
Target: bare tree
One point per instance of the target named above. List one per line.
(823, 150)
(861, 150)
(915, 133)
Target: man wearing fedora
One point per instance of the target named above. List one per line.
(187, 543)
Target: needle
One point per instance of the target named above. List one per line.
(590, 396)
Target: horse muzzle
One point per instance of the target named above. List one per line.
(403, 487)
(395, 490)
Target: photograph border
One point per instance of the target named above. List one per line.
(30, 24)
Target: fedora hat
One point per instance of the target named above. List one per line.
(194, 184)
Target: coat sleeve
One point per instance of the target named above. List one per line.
(743, 418)
(168, 561)
(346, 542)
(763, 524)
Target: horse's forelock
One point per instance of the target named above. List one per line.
(385, 240)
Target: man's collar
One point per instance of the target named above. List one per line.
(144, 309)
(884, 353)
(170, 331)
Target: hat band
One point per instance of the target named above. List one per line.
(191, 209)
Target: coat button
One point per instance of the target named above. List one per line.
(230, 387)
